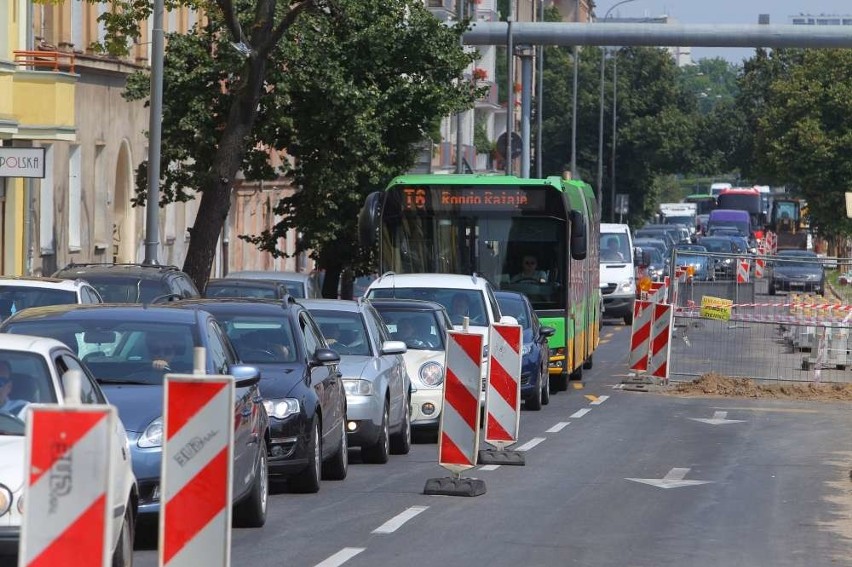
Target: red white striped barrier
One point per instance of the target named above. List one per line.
(458, 443)
(198, 445)
(503, 400)
(661, 341)
(68, 517)
(743, 266)
(657, 293)
(640, 335)
(760, 263)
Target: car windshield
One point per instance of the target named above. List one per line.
(514, 307)
(419, 330)
(231, 290)
(260, 340)
(17, 298)
(126, 289)
(24, 379)
(720, 245)
(344, 330)
(794, 261)
(615, 247)
(459, 303)
(121, 351)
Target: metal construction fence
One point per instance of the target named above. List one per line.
(778, 322)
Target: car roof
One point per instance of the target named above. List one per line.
(797, 252)
(247, 305)
(44, 283)
(405, 304)
(332, 304)
(428, 280)
(96, 311)
(270, 275)
(244, 282)
(505, 294)
(136, 270)
(42, 345)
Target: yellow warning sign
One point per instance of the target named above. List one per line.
(716, 308)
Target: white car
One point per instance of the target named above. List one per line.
(18, 293)
(462, 296)
(37, 365)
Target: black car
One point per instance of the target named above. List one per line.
(535, 376)
(132, 283)
(796, 270)
(129, 349)
(248, 288)
(722, 251)
(301, 385)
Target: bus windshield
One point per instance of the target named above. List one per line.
(517, 246)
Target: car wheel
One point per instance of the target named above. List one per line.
(545, 389)
(771, 288)
(308, 480)
(589, 363)
(628, 319)
(337, 467)
(400, 443)
(251, 512)
(123, 554)
(377, 453)
(533, 403)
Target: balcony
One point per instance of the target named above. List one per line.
(442, 9)
(489, 100)
(43, 92)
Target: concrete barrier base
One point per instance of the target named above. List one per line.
(449, 486)
(497, 457)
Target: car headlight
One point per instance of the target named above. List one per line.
(357, 387)
(432, 374)
(152, 436)
(5, 500)
(282, 408)
(627, 285)
(526, 348)
(21, 503)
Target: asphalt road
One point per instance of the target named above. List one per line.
(607, 481)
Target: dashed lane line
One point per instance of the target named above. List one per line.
(558, 427)
(399, 520)
(579, 413)
(599, 400)
(489, 467)
(341, 557)
(531, 443)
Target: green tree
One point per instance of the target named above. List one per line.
(712, 81)
(343, 87)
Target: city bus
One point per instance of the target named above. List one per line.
(704, 201)
(490, 225)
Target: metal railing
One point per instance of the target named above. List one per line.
(55, 60)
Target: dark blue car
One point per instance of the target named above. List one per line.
(128, 349)
(535, 386)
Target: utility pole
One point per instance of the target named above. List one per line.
(460, 16)
(510, 95)
(152, 203)
(539, 101)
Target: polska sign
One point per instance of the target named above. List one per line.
(22, 162)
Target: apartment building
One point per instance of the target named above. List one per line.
(821, 20)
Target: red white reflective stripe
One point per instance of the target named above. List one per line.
(67, 517)
(742, 270)
(195, 515)
(458, 443)
(661, 339)
(640, 335)
(503, 401)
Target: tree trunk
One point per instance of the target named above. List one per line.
(216, 190)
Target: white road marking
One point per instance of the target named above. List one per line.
(673, 479)
(579, 413)
(558, 427)
(489, 467)
(719, 418)
(531, 443)
(341, 557)
(617, 386)
(599, 401)
(397, 521)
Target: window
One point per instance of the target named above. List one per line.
(312, 337)
(47, 243)
(103, 203)
(88, 391)
(75, 197)
(216, 348)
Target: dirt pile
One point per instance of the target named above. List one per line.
(713, 384)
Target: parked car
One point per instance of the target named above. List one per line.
(378, 389)
(129, 349)
(299, 284)
(250, 288)
(535, 377)
(300, 383)
(796, 270)
(31, 371)
(422, 326)
(132, 283)
(18, 293)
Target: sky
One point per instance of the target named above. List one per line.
(724, 12)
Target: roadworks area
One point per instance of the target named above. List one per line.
(713, 384)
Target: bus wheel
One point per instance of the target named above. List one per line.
(589, 363)
(559, 382)
(577, 374)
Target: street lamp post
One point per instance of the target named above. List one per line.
(599, 187)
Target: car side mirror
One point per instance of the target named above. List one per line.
(368, 220)
(325, 357)
(394, 347)
(547, 331)
(244, 376)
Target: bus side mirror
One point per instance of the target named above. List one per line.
(368, 220)
(579, 241)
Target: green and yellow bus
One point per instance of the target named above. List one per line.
(488, 225)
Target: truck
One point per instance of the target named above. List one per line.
(679, 213)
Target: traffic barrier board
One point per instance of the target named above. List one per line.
(67, 519)
(197, 462)
(743, 266)
(760, 263)
(458, 442)
(661, 342)
(640, 335)
(503, 398)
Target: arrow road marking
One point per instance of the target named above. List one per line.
(397, 521)
(341, 557)
(558, 427)
(674, 479)
(719, 418)
(489, 467)
(579, 413)
(531, 443)
(599, 400)
(591, 398)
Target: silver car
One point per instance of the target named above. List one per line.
(378, 388)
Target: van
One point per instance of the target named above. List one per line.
(618, 280)
(741, 220)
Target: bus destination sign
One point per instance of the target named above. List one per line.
(494, 198)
